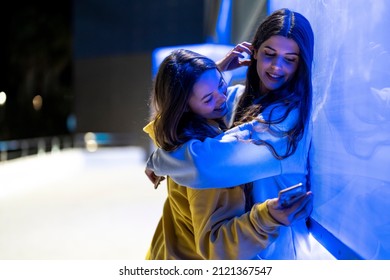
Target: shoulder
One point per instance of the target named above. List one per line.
(233, 95)
(235, 91)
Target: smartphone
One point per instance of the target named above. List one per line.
(290, 195)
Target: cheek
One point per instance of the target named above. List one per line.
(291, 70)
(202, 110)
(194, 106)
(259, 62)
(209, 107)
(262, 64)
(259, 66)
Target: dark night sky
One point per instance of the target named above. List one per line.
(40, 41)
(36, 60)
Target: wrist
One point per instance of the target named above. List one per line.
(272, 205)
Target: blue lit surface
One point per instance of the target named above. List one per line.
(350, 155)
(224, 27)
(213, 51)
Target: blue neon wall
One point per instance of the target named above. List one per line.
(350, 154)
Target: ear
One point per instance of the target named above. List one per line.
(255, 54)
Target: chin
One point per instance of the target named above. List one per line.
(223, 113)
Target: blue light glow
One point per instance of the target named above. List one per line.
(350, 155)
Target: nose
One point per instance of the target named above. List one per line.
(221, 96)
(277, 62)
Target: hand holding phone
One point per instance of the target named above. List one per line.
(290, 195)
(283, 208)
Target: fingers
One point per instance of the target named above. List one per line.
(156, 180)
(301, 209)
(240, 49)
(243, 47)
(245, 62)
(235, 58)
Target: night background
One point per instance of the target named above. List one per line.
(70, 67)
(36, 69)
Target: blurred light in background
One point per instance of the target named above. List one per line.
(224, 25)
(90, 142)
(3, 98)
(71, 123)
(37, 102)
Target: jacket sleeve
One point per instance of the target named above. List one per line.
(215, 163)
(222, 228)
(225, 161)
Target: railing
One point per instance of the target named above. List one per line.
(12, 149)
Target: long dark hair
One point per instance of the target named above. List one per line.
(174, 123)
(297, 93)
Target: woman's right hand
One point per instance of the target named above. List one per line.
(235, 58)
(301, 209)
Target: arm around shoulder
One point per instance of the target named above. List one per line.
(215, 163)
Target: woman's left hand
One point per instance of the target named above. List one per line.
(235, 58)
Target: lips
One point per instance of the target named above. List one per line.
(274, 76)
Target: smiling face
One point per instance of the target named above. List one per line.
(208, 97)
(277, 61)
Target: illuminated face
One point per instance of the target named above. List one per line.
(208, 98)
(277, 60)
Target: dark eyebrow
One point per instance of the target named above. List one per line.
(207, 95)
(293, 53)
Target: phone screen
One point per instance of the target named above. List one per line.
(290, 195)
